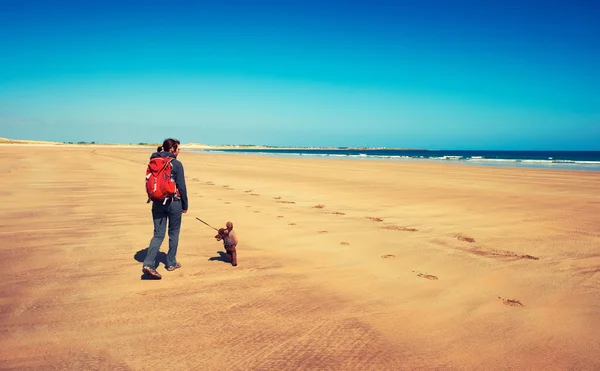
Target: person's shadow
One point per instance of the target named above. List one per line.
(161, 257)
(222, 257)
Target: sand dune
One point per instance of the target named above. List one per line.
(29, 142)
(343, 265)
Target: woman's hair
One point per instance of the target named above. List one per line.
(159, 149)
(169, 144)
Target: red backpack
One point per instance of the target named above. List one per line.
(159, 182)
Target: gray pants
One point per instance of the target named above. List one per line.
(172, 212)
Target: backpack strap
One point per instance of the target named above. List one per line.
(176, 194)
(169, 163)
(166, 164)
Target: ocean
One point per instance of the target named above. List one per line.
(573, 160)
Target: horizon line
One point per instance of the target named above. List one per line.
(275, 147)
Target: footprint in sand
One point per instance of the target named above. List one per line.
(210, 183)
(344, 243)
(254, 194)
(277, 198)
(528, 257)
(319, 206)
(279, 216)
(399, 228)
(374, 218)
(322, 231)
(336, 213)
(511, 302)
(195, 179)
(462, 237)
(426, 276)
(226, 203)
(285, 202)
(257, 211)
(291, 223)
(388, 256)
(248, 191)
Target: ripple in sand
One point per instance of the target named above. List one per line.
(248, 191)
(291, 223)
(344, 243)
(226, 203)
(336, 213)
(501, 254)
(399, 228)
(322, 231)
(277, 198)
(254, 194)
(285, 202)
(388, 256)
(319, 206)
(511, 302)
(279, 216)
(210, 183)
(374, 218)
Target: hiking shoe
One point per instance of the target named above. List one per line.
(173, 267)
(152, 273)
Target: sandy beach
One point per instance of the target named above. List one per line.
(343, 265)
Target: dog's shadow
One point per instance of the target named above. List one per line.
(161, 257)
(222, 257)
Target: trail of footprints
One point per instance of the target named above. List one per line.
(459, 236)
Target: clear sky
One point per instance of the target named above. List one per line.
(427, 74)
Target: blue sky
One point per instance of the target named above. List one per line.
(428, 74)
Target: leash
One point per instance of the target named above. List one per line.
(207, 224)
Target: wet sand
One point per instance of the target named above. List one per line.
(343, 265)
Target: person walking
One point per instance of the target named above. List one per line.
(167, 209)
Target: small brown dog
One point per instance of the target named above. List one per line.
(230, 242)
